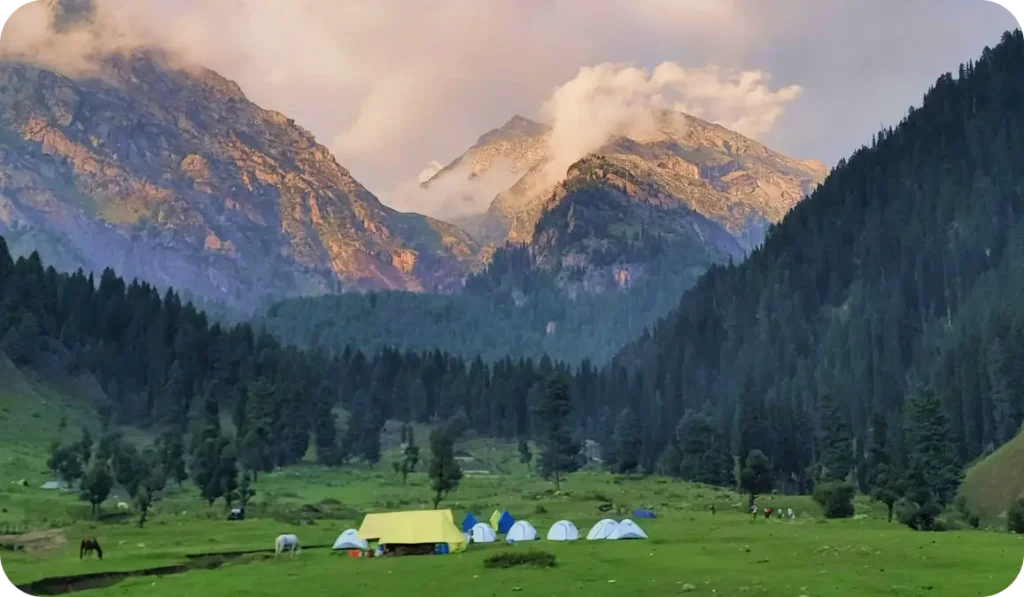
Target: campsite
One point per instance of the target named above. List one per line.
(189, 546)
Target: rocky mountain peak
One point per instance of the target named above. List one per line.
(517, 127)
(171, 174)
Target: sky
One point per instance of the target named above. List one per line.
(391, 85)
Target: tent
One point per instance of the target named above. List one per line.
(350, 540)
(469, 522)
(521, 531)
(502, 521)
(602, 530)
(628, 529)
(643, 514)
(563, 530)
(481, 533)
(415, 527)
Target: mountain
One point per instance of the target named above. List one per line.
(170, 173)
(609, 248)
(720, 174)
(496, 161)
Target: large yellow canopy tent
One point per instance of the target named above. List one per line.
(414, 527)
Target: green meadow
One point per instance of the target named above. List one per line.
(689, 550)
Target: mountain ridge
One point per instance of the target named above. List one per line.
(144, 157)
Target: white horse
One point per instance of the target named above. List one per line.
(289, 542)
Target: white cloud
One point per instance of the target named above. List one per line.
(610, 100)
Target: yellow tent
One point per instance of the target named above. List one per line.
(413, 528)
(494, 520)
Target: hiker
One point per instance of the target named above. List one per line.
(753, 511)
(767, 512)
(712, 509)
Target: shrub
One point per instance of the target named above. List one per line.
(920, 517)
(511, 559)
(1015, 517)
(835, 499)
(540, 509)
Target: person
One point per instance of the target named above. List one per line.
(753, 511)
(712, 509)
(789, 513)
(767, 512)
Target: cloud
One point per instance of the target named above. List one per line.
(76, 50)
(610, 100)
(455, 195)
(389, 85)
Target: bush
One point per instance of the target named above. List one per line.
(511, 559)
(835, 499)
(920, 517)
(1015, 517)
(540, 509)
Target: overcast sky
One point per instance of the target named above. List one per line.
(391, 85)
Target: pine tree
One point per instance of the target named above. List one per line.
(756, 477)
(934, 463)
(525, 455)
(411, 453)
(559, 452)
(837, 441)
(445, 472)
(627, 442)
(152, 480)
(701, 452)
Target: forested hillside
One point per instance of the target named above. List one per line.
(902, 276)
(511, 309)
(160, 364)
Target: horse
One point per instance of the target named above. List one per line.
(90, 544)
(289, 542)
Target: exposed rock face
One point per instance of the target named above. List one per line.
(174, 176)
(693, 189)
(603, 224)
(495, 162)
(717, 173)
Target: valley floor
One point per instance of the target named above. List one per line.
(689, 550)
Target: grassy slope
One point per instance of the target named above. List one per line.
(724, 554)
(30, 413)
(995, 481)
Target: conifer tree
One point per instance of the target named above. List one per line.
(627, 442)
(559, 452)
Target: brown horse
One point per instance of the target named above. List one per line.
(90, 544)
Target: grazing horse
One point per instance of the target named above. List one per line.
(289, 542)
(90, 544)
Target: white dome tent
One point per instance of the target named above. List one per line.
(602, 530)
(563, 530)
(350, 540)
(627, 529)
(521, 531)
(481, 533)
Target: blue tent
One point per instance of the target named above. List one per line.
(643, 514)
(468, 522)
(502, 522)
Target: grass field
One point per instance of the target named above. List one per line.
(689, 550)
